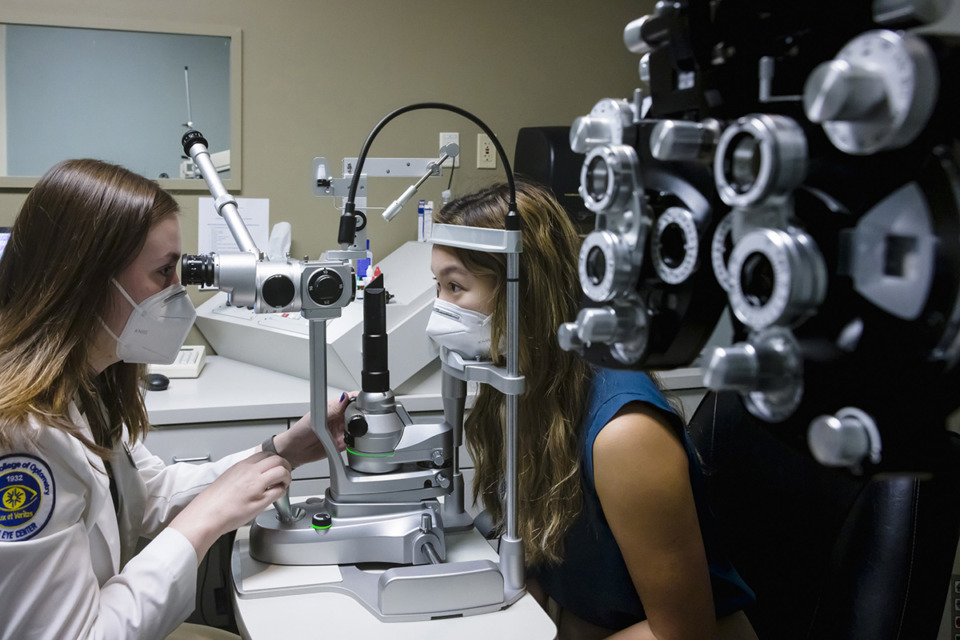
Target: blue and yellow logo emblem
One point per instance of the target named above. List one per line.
(26, 496)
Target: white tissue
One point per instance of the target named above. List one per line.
(279, 244)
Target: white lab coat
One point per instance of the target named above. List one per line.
(77, 577)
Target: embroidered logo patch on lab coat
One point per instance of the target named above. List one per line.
(26, 496)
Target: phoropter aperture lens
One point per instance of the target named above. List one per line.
(596, 265)
(673, 244)
(757, 279)
(743, 163)
(598, 176)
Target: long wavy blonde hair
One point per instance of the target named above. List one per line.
(557, 382)
(80, 226)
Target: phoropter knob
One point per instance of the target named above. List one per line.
(845, 439)
(877, 94)
(767, 371)
(675, 140)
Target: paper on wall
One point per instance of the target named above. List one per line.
(214, 234)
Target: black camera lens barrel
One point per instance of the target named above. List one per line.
(191, 138)
(198, 270)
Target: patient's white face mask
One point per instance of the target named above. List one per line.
(156, 328)
(461, 330)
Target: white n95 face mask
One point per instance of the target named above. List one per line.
(156, 328)
(461, 330)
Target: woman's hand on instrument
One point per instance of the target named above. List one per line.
(299, 444)
(233, 499)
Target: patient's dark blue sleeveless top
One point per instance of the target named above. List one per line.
(593, 581)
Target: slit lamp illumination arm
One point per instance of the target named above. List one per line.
(450, 150)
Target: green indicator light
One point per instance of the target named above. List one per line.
(370, 455)
(316, 527)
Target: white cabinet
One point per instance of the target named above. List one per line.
(230, 407)
(207, 441)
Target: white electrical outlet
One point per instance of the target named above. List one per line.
(486, 153)
(445, 139)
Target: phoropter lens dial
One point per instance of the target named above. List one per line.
(759, 158)
(777, 277)
(608, 178)
(675, 245)
(607, 267)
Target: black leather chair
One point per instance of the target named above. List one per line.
(830, 555)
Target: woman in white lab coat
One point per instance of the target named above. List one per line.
(88, 292)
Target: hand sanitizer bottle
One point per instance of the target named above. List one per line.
(420, 221)
(427, 220)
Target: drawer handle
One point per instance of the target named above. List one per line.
(205, 458)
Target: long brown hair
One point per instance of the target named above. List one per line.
(79, 227)
(557, 383)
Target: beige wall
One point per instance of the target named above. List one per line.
(319, 74)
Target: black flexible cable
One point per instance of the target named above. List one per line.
(453, 165)
(512, 221)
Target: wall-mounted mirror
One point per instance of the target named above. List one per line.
(121, 94)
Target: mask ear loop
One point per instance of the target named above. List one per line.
(124, 293)
(129, 299)
(111, 333)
